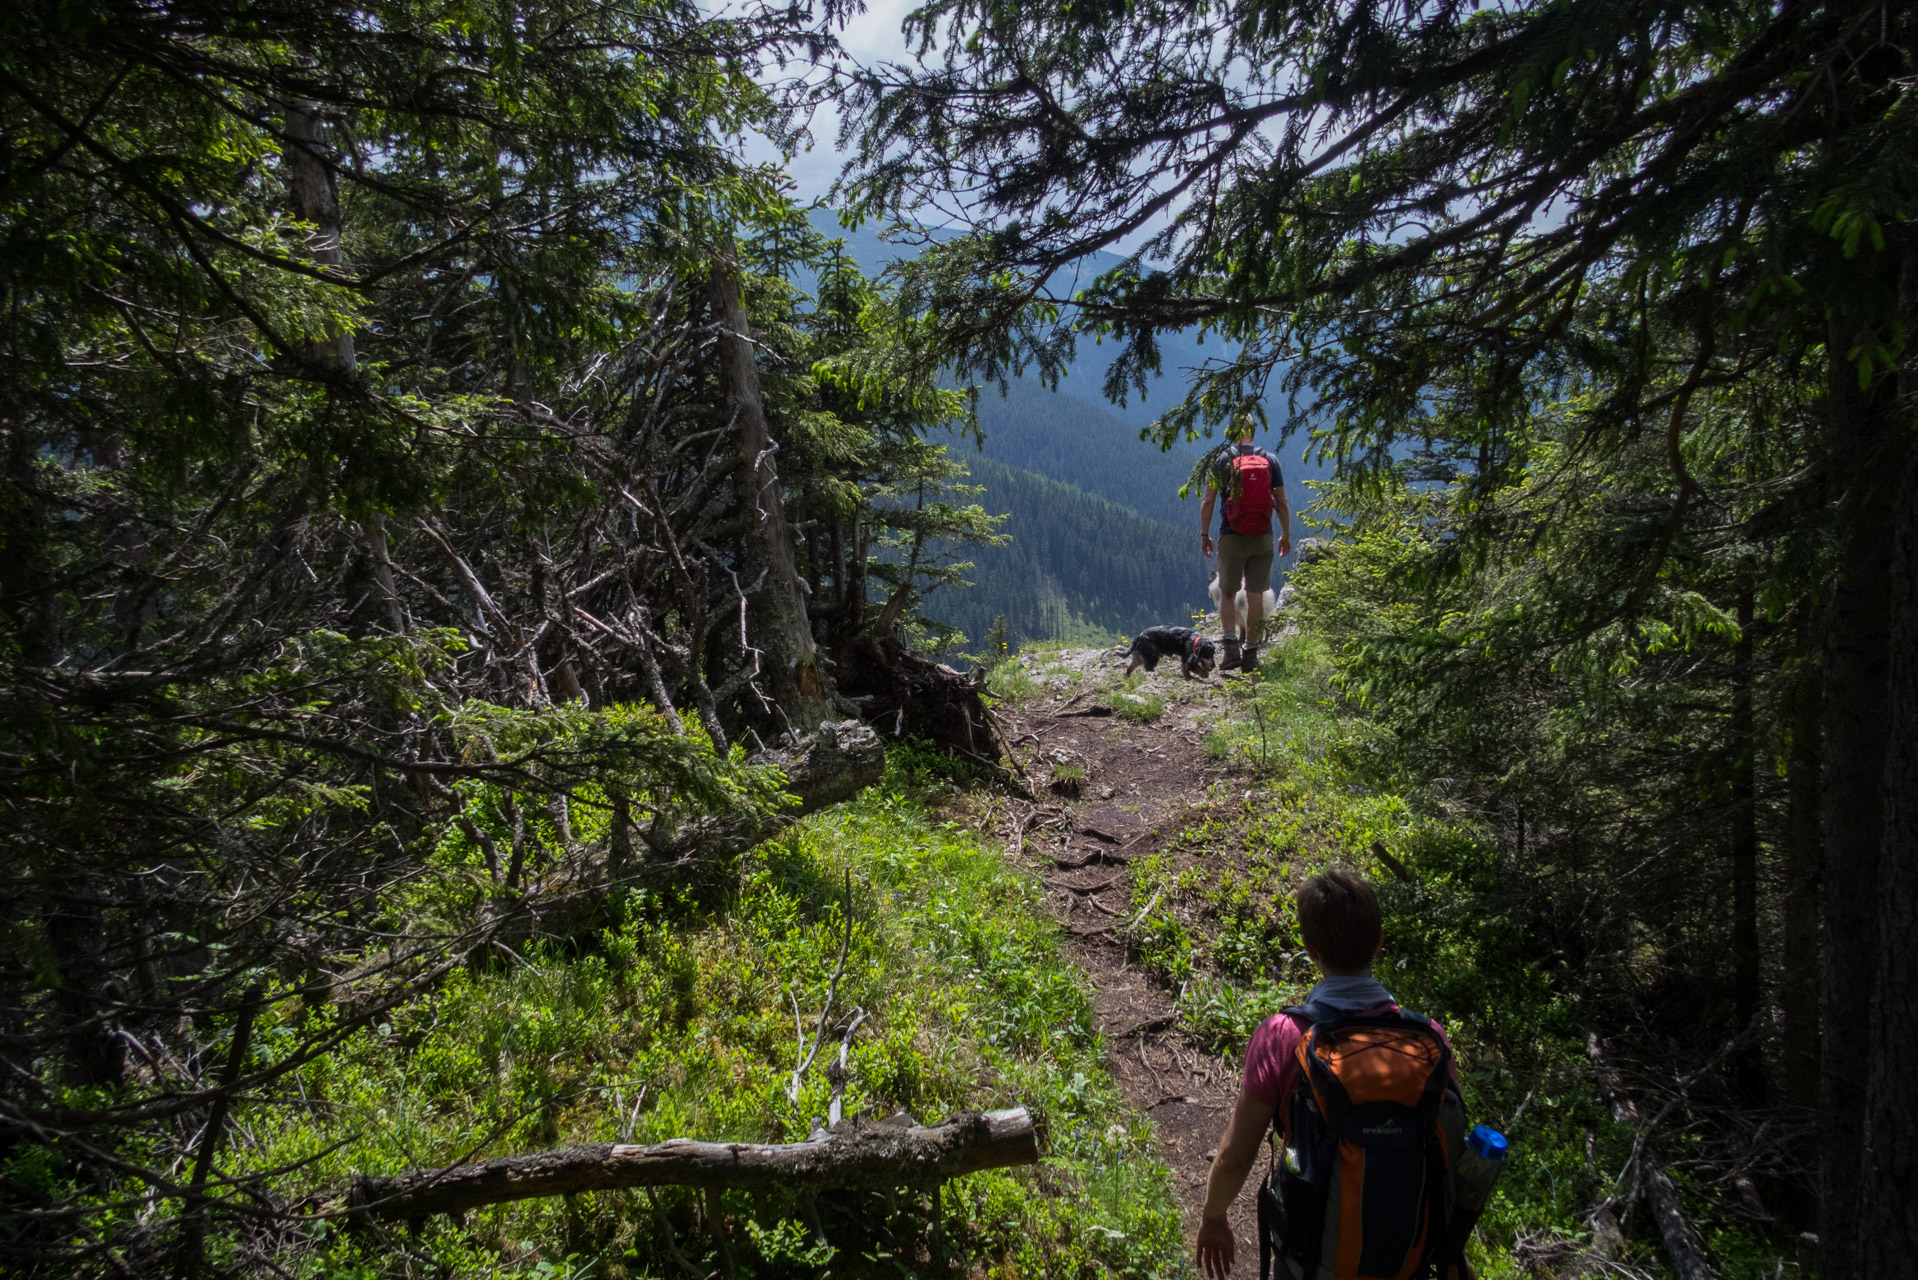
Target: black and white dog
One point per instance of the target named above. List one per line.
(1194, 651)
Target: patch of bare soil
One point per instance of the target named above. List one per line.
(1141, 786)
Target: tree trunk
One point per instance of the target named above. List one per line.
(1886, 1240)
(851, 622)
(1856, 702)
(193, 1237)
(874, 1156)
(314, 189)
(776, 620)
(1746, 995)
(1803, 937)
(76, 939)
(315, 193)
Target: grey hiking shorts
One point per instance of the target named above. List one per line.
(1245, 560)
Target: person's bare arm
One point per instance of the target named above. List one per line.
(1238, 1152)
(1205, 520)
(1284, 510)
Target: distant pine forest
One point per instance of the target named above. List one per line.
(1078, 567)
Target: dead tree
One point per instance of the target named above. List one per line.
(1681, 1239)
(571, 900)
(871, 1156)
(777, 622)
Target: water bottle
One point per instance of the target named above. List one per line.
(1479, 1167)
(1473, 1176)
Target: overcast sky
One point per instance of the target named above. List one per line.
(874, 36)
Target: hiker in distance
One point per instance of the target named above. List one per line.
(1364, 1098)
(1254, 489)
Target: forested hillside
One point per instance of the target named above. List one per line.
(1075, 566)
(1071, 440)
(1073, 435)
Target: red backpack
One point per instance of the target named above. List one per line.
(1248, 495)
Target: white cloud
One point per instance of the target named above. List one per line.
(870, 37)
(875, 36)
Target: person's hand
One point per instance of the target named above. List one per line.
(1215, 1247)
(1285, 545)
(1205, 545)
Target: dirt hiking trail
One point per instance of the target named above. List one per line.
(1146, 779)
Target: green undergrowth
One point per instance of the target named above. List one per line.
(680, 1022)
(1317, 786)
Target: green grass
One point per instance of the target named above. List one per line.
(1139, 708)
(679, 1022)
(1012, 680)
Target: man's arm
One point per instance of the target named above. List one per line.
(1238, 1152)
(1205, 519)
(1284, 511)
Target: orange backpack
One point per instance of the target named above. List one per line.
(1363, 1189)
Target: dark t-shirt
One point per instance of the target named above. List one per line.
(1220, 478)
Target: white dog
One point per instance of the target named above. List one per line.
(1238, 600)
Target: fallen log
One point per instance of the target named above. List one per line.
(828, 766)
(870, 1156)
(1682, 1243)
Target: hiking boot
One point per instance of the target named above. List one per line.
(1231, 660)
(1249, 658)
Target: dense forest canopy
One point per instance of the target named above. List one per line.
(411, 436)
(450, 501)
(1605, 312)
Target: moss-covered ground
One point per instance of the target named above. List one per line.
(681, 1022)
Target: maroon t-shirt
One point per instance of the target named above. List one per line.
(1272, 1057)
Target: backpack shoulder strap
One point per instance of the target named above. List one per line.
(1312, 1012)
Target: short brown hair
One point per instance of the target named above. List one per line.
(1339, 916)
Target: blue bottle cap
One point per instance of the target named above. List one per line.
(1488, 1142)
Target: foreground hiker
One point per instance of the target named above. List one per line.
(1254, 490)
(1357, 1091)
